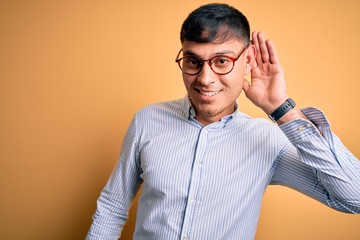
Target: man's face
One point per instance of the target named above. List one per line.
(212, 95)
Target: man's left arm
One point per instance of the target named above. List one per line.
(336, 169)
(323, 157)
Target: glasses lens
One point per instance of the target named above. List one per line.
(190, 65)
(219, 64)
(222, 64)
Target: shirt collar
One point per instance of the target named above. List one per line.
(189, 112)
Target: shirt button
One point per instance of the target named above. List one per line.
(300, 129)
(308, 125)
(193, 200)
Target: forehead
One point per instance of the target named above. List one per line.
(206, 50)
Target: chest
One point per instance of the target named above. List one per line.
(213, 161)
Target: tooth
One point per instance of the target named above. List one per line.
(209, 94)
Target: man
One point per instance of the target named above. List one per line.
(202, 164)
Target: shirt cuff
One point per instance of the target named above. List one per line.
(299, 129)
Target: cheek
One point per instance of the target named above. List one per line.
(236, 89)
(188, 81)
(234, 82)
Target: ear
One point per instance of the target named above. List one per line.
(250, 59)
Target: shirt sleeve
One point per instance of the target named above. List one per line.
(318, 164)
(116, 197)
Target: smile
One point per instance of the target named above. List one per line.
(207, 93)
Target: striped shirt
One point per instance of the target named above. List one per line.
(207, 182)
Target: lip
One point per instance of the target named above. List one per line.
(207, 95)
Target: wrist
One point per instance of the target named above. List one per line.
(293, 114)
(283, 109)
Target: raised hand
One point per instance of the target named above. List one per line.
(267, 89)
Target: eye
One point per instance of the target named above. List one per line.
(221, 61)
(192, 62)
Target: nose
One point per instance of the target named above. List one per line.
(206, 76)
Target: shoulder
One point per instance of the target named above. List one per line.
(257, 128)
(161, 111)
(246, 122)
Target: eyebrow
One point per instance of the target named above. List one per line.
(192, 54)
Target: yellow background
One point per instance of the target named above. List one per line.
(73, 73)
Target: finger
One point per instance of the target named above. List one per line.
(263, 48)
(272, 51)
(255, 42)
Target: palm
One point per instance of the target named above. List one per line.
(268, 87)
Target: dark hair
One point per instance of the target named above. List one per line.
(215, 23)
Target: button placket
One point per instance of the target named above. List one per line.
(195, 183)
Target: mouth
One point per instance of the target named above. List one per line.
(207, 93)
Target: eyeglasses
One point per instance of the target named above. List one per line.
(220, 64)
